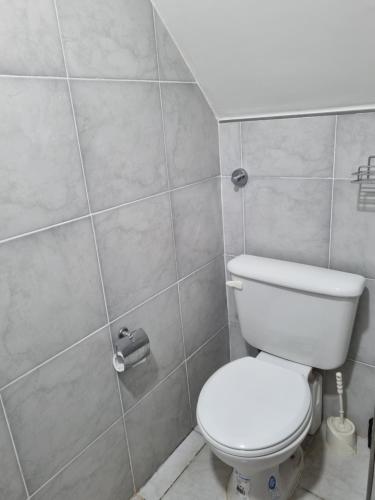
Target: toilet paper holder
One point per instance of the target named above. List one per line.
(131, 348)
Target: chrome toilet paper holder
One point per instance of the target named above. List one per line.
(131, 348)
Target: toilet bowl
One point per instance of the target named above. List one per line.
(254, 415)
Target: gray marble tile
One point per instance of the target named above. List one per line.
(206, 478)
(204, 363)
(197, 225)
(233, 222)
(158, 424)
(11, 485)
(359, 394)
(160, 318)
(230, 147)
(354, 142)
(231, 301)
(191, 134)
(102, 472)
(51, 295)
(363, 339)
(171, 63)
(353, 231)
(62, 406)
(41, 180)
(288, 219)
(289, 146)
(172, 468)
(113, 39)
(115, 122)
(203, 304)
(137, 253)
(238, 346)
(29, 39)
(331, 476)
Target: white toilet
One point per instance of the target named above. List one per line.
(255, 412)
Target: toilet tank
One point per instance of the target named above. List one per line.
(298, 312)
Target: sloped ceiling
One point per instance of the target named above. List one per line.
(256, 58)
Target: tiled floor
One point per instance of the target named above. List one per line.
(194, 473)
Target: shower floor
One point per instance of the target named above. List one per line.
(192, 472)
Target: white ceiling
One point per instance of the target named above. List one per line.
(255, 58)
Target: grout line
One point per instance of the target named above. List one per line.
(104, 210)
(94, 237)
(174, 370)
(57, 355)
(171, 216)
(207, 341)
(184, 468)
(95, 79)
(332, 194)
(154, 388)
(165, 289)
(242, 194)
(76, 457)
(106, 325)
(14, 447)
(290, 177)
(186, 62)
(360, 362)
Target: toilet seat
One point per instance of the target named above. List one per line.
(252, 408)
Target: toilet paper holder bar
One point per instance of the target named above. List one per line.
(131, 348)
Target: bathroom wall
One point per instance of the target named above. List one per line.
(110, 217)
(300, 205)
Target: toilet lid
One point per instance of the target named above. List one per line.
(249, 404)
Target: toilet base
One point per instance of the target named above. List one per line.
(277, 483)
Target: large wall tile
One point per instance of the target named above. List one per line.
(171, 63)
(158, 424)
(11, 485)
(197, 225)
(115, 122)
(238, 346)
(57, 410)
(230, 147)
(289, 147)
(51, 295)
(136, 248)
(167, 350)
(41, 180)
(354, 143)
(29, 39)
(353, 231)
(288, 219)
(363, 340)
(233, 221)
(204, 363)
(102, 472)
(113, 39)
(359, 394)
(203, 304)
(191, 134)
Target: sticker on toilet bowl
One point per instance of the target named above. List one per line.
(242, 485)
(273, 489)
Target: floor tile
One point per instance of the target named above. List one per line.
(167, 474)
(205, 479)
(334, 477)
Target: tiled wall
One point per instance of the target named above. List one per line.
(300, 205)
(110, 216)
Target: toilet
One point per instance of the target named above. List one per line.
(254, 413)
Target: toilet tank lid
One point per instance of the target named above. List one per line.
(297, 276)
